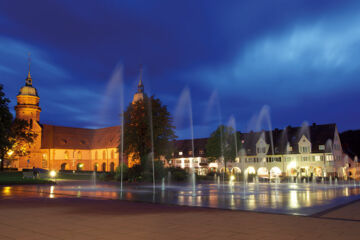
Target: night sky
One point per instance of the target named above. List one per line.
(291, 61)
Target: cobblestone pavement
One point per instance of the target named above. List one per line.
(73, 218)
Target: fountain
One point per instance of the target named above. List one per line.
(163, 184)
(169, 178)
(93, 178)
(256, 195)
(185, 101)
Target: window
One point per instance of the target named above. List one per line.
(201, 152)
(96, 155)
(190, 152)
(79, 156)
(321, 147)
(317, 158)
(112, 154)
(66, 155)
(305, 149)
(104, 155)
(305, 159)
(180, 153)
(329, 158)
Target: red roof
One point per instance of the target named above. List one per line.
(79, 138)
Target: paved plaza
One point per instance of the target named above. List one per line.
(24, 216)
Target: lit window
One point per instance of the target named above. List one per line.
(201, 152)
(317, 158)
(180, 153)
(190, 152)
(321, 147)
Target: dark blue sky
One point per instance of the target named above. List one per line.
(294, 61)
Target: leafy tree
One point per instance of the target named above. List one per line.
(222, 144)
(21, 138)
(137, 131)
(16, 136)
(5, 126)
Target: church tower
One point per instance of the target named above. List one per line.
(140, 92)
(27, 107)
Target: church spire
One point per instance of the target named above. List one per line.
(28, 80)
(140, 85)
(139, 95)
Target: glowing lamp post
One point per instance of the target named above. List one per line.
(53, 174)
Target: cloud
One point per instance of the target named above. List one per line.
(16, 51)
(303, 59)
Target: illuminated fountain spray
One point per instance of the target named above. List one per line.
(215, 102)
(116, 86)
(185, 104)
(93, 178)
(163, 184)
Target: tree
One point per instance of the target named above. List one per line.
(137, 131)
(5, 126)
(21, 138)
(223, 143)
(16, 136)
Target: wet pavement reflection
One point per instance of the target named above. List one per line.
(297, 199)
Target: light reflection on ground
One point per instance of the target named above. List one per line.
(299, 199)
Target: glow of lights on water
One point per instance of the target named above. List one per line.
(6, 191)
(52, 188)
(293, 200)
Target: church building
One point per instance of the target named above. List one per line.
(67, 148)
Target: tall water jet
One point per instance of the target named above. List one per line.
(163, 184)
(116, 86)
(232, 123)
(185, 101)
(214, 101)
(169, 178)
(265, 115)
(93, 178)
(152, 144)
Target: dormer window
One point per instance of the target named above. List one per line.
(304, 145)
(321, 147)
(305, 149)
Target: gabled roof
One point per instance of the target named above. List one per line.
(316, 134)
(79, 138)
(185, 146)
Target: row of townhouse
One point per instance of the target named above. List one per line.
(294, 151)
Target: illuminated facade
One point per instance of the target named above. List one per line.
(185, 158)
(294, 151)
(64, 148)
